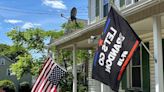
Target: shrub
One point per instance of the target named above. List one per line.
(24, 87)
(7, 85)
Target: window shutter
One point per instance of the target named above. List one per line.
(145, 69)
(163, 52)
(97, 8)
(122, 3)
(124, 81)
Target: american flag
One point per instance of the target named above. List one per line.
(49, 77)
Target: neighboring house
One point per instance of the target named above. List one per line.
(5, 73)
(147, 19)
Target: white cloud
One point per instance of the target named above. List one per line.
(57, 4)
(13, 21)
(30, 25)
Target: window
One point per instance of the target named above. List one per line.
(128, 2)
(8, 72)
(105, 8)
(97, 8)
(136, 1)
(2, 61)
(122, 3)
(135, 73)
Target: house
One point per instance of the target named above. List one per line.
(5, 73)
(146, 17)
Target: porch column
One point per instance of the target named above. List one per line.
(158, 54)
(74, 71)
(105, 88)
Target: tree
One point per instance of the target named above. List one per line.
(24, 87)
(7, 85)
(33, 41)
(22, 66)
(72, 26)
(33, 38)
(12, 51)
(4, 49)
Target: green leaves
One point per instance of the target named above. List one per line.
(23, 65)
(9, 84)
(36, 67)
(72, 26)
(4, 49)
(26, 43)
(32, 38)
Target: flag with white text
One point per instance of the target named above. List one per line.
(115, 49)
(49, 77)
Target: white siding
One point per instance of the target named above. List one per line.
(93, 85)
(92, 13)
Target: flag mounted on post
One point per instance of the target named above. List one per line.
(49, 77)
(115, 49)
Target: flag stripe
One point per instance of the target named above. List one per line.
(107, 25)
(49, 88)
(95, 58)
(44, 75)
(127, 59)
(45, 86)
(53, 88)
(48, 76)
(42, 84)
(42, 72)
(37, 89)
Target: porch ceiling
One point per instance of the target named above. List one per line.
(146, 25)
(140, 27)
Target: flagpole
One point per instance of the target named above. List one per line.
(149, 52)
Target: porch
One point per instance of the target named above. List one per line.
(148, 23)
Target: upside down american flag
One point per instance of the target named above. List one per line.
(49, 77)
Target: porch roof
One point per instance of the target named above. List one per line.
(80, 37)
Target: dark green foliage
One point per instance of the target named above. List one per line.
(72, 26)
(12, 51)
(24, 87)
(4, 49)
(36, 67)
(7, 86)
(66, 83)
(32, 38)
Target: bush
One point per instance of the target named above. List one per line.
(24, 87)
(7, 86)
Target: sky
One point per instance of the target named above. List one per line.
(45, 14)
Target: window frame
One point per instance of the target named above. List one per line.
(107, 5)
(127, 5)
(2, 61)
(8, 72)
(141, 72)
(132, 2)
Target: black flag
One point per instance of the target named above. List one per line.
(115, 49)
